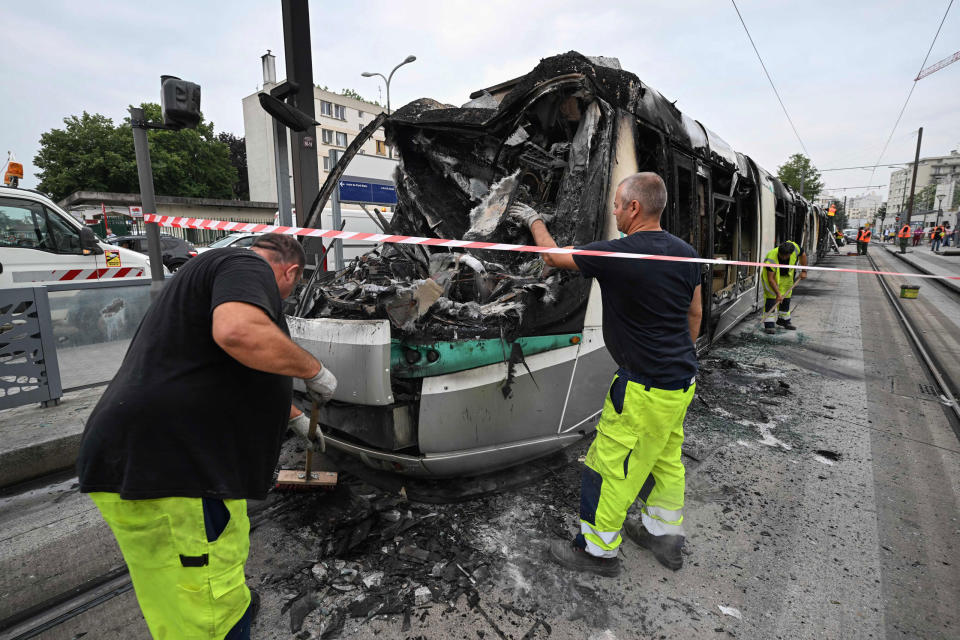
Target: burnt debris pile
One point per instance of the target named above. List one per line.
(546, 143)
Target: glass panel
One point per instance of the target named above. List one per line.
(92, 328)
(21, 224)
(64, 237)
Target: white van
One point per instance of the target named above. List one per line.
(40, 242)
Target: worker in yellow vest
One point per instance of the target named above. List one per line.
(904, 237)
(778, 284)
(863, 240)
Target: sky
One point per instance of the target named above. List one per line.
(842, 68)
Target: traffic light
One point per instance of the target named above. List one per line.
(180, 103)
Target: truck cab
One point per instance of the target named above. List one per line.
(40, 242)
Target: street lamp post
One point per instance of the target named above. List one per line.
(386, 79)
(939, 208)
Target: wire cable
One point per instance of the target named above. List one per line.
(912, 87)
(769, 79)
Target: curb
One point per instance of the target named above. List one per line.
(952, 284)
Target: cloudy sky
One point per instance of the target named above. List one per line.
(843, 68)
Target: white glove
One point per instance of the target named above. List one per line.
(301, 426)
(524, 214)
(321, 386)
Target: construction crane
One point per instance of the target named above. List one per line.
(937, 66)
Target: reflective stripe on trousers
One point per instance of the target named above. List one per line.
(638, 437)
(187, 587)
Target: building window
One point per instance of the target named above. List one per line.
(381, 148)
(341, 139)
(326, 136)
(326, 108)
(326, 163)
(339, 112)
(359, 113)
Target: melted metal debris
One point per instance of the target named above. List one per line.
(548, 144)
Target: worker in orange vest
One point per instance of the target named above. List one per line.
(904, 237)
(937, 237)
(863, 240)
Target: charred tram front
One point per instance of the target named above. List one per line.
(456, 363)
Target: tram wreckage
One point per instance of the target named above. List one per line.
(459, 362)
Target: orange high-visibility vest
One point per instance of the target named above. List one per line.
(904, 232)
(866, 236)
(938, 232)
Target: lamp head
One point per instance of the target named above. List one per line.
(409, 59)
(367, 74)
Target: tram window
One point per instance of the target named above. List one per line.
(746, 201)
(726, 241)
(685, 208)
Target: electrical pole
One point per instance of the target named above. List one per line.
(303, 145)
(141, 148)
(913, 182)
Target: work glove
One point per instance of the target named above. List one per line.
(301, 426)
(321, 386)
(524, 214)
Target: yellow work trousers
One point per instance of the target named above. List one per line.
(187, 587)
(638, 441)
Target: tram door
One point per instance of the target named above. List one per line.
(693, 222)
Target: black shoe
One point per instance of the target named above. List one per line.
(666, 549)
(786, 325)
(769, 330)
(573, 557)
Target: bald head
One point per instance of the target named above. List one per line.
(648, 189)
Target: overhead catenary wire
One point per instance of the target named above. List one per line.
(770, 80)
(913, 86)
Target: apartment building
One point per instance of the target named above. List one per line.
(340, 117)
(943, 171)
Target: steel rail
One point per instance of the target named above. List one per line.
(947, 390)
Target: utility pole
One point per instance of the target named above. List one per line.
(303, 145)
(913, 182)
(141, 148)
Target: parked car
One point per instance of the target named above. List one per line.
(176, 251)
(235, 240)
(40, 242)
(850, 235)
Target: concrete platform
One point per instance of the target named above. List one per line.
(35, 441)
(926, 261)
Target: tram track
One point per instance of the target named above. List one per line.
(944, 374)
(64, 607)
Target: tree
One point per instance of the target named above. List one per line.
(925, 199)
(799, 169)
(238, 158)
(91, 153)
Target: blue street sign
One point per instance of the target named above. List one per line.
(356, 191)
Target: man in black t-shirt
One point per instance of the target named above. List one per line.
(191, 427)
(651, 319)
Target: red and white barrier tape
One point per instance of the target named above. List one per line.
(241, 227)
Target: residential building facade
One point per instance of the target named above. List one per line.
(943, 171)
(341, 118)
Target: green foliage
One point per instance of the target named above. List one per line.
(799, 169)
(926, 198)
(350, 93)
(238, 158)
(91, 153)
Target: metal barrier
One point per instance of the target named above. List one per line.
(63, 336)
(28, 354)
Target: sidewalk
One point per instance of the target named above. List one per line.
(929, 262)
(35, 441)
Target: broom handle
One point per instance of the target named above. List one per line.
(311, 434)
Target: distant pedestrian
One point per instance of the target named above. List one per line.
(947, 234)
(917, 236)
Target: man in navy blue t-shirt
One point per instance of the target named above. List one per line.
(651, 319)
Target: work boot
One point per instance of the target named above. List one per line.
(571, 556)
(666, 549)
(786, 325)
(769, 329)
